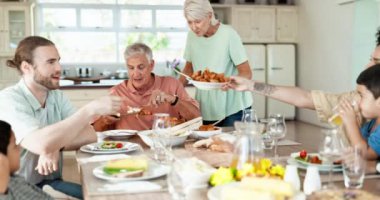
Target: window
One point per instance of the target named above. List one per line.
(97, 31)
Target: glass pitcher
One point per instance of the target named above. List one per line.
(248, 147)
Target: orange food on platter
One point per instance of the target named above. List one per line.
(208, 127)
(175, 121)
(208, 76)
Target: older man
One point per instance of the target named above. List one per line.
(157, 94)
(43, 119)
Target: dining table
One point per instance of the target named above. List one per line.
(294, 141)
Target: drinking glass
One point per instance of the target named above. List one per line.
(331, 149)
(176, 183)
(354, 166)
(249, 115)
(160, 139)
(335, 120)
(277, 129)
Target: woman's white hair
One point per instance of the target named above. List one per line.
(198, 10)
(138, 48)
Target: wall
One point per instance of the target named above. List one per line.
(324, 48)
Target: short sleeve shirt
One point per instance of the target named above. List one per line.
(133, 98)
(220, 53)
(24, 113)
(372, 137)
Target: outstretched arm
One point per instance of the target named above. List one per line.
(292, 95)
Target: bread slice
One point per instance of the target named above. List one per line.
(126, 166)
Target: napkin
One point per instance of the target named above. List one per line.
(131, 187)
(100, 158)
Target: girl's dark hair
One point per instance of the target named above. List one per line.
(5, 136)
(370, 79)
(378, 37)
(25, 50)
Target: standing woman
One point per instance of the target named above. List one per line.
(216, 46)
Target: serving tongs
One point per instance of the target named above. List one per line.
(174, 66)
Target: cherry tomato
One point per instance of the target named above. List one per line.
(119, 145)
(303, 154)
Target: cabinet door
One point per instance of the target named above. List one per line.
(281, 71)
(254, 24)
(257, 62)
(17, 25)
(287, 24)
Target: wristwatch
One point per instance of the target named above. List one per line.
(175, 101)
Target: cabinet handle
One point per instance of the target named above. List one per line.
(258, 69)
(276, 68)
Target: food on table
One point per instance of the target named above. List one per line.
(342, 194)
(128, 167)
(208, 127)
(111, 145)
(263, 168)
(144, 112)
(303, 154)
(214, 143)
(208, 76)
(313, 158)
(175, 121)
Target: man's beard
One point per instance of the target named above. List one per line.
(44, 81)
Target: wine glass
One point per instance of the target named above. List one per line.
(161, 138)
(331, 149)
(277, 129)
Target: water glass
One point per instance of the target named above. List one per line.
(353, 168)
(176, 183)
(161, 143)
(267, 141)
(249, 115)
(277, 129)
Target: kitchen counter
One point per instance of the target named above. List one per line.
(104, 83)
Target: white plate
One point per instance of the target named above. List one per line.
(206, 134)
(304, 165)
(206, 85)
(215, 193)
(96, 149)
(120, 134)
(154, 170)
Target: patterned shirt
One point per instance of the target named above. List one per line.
(21, 109)
(18, 188)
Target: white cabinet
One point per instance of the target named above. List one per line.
(261, 24)
(15, 24)
(80, 97)
(254, 24)
(272, 64)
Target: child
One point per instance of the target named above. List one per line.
(13, 186)
(368, 136)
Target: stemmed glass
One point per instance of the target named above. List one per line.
(161, 143)
(331, 149)
(277, 129)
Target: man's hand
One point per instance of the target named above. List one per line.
(158, 97)
(4, 173)
(238, 83)
(107, 105)
(48, 163)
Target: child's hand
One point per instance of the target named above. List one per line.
(347, 112)
(4, 173)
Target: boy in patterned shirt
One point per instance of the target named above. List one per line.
(11, 185)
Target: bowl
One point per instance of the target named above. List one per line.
(206, 85)
(175, 140)
(120, 134)
(207, 134)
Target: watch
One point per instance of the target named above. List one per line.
(175, 101)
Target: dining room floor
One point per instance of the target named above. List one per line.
(71, 172)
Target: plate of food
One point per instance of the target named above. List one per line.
(304, 159)
(257, 187)
(120, 134)
(175, 138)
(208, 80)
(206, 131)
(110, 147)
(133, 168)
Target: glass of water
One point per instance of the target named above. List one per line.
(354, 166)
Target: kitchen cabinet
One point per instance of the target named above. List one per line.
(261, 24)
(273, 64)
(80, 97)
(15, 24)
